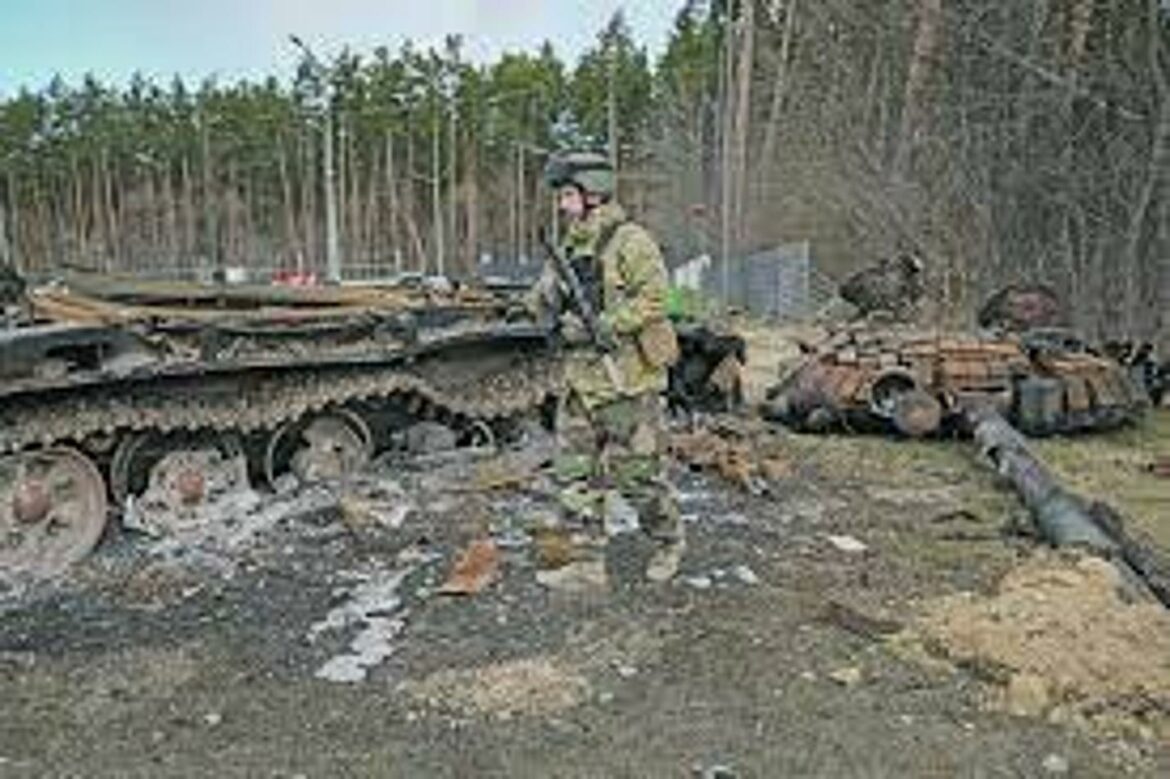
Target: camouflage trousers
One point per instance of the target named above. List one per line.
(617, 452)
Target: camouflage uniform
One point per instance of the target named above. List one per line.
(611, 439)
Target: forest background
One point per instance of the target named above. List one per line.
(1006, 142)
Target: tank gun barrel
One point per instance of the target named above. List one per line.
(1060, 516)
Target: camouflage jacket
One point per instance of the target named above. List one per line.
(634, 287)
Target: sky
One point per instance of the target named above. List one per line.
(231, 39)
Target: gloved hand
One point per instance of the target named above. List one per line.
(605, 334)
(572, 329)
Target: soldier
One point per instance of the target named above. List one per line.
(610, 429)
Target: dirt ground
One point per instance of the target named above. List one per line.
(313, 642)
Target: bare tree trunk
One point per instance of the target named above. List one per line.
(922, 63)
(471, 175)
(513, 213)
(611, 109)
(287, 205)
(1080, 25)
(1156, 175)
(231, 202)
(392, 187)
(355, 246)
(107, 194)
(329, 177)
(409, 206)
(170, 216)
(188, 211)
(436, 196)
(725, 166)
(521, 205)
(309, 201)
(371, 216)
(453, 183)
(210, 226)
(743, 113)
(77, 212)
(6, 257)
(779, 87)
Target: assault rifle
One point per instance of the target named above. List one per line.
(580, 305)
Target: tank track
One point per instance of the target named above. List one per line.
(255, 402)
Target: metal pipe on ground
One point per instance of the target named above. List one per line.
(1061, 517)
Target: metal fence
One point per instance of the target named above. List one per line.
(779, 284)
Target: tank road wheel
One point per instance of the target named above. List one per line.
(321, 447)
(895, 396)
(52, 510)
(166, 482)
(916, 414)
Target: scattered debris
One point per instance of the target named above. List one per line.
(618, 515)
(1055, 764)
(217, 543)
(847, 544)
(530, 687)
(474, 569)
(850, 619)
(381, 504)
(189, 489)
(713, 772)
(776, 468)
(745, 575)
(428, 438)
(847, 677)
(740, 452)
(1059, 639)
(370, 605)
(577, 576)
(554, 546)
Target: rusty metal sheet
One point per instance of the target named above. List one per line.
(1076, 391)
(852, 385)
(1103, 390)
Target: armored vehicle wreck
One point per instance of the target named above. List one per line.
(163, 394)
(898, 377)
(122, 396)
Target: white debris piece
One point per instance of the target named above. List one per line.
(618, 515)
(847, 544)
(369, 605)
(745, 575)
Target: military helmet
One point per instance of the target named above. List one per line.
(588, 170)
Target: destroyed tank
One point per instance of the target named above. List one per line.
(152, 398)
(896, 377)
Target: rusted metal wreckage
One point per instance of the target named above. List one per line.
(119, 394)
(1061, 517)
(897, 377)
(116, 390)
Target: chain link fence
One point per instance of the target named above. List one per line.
(779, 284)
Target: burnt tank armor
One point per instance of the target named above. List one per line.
(917, 382)
(115, 390)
